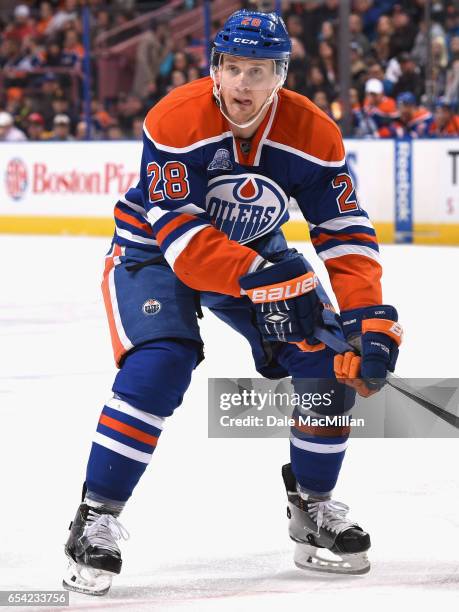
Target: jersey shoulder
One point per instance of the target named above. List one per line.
(186, 116)
(301, 125)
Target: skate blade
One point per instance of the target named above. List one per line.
(314, 559)
(87, 580)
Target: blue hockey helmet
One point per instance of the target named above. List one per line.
(254, 34)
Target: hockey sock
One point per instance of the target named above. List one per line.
(316, 463)
(99, 501)
(122, 448)
(317, 447)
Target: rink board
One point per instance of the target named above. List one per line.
(409, 189)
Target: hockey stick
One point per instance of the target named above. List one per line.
(341, 346)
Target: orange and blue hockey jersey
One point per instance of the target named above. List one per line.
(203, 199)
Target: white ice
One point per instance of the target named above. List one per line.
(207, 522)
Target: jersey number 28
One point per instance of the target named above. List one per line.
(175, 181)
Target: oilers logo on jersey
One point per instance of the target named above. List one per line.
(151, 307)
(246, 206)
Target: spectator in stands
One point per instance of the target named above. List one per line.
(137, 128)
(8, 131)
(410, 78)
(149, 56)
(61, 128)
(15, 101)
(404, 34)
(102, 23)
(327, 55)
(177, 78)
(298, 66)
(114, 132)
(376, 71)
(43, 98)
(358, 66)
(22, 26)
(439, 65)
(46, 15)
(414, 121)
(384, 26)
(320, 99)
(295, 27)
(152, 95)
(316, 81)
(193, 73)
(14, 62)
(371, 11)
(51, 56)
(381, 109)
(65, 15)
(356, 33)
(327, 32)
(381, 48)
(445, 123)
(419, 50)
(36, 127)
(72, 50)
(128, 107)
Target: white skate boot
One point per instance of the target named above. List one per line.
(325, 540)
(93, 551)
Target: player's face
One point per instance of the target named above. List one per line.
(245, 84)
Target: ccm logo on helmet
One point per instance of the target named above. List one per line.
(246, 41)
(284, 291)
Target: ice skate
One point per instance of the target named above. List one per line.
(93, 551)
(326, 541)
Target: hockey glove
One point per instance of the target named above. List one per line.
(376, 336)
(286, 302)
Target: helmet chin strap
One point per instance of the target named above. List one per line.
(269, 99)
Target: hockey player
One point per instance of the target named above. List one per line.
(221, 158)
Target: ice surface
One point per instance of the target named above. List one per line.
(207, 521)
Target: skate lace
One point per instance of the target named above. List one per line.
(330, 514)
(104, 530)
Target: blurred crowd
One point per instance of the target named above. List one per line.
(388, 61)
(41, 63)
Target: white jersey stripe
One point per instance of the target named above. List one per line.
(124, 233)
(191, 147)
(121, 449)
(136, 207)
(191, 209)
(256, 161)
(349, 249)
(127, 344)
(324, 449)
(311, 158)
(342, 222)
(176, 247)
(141, 415)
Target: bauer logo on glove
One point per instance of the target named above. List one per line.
(286, 301)
(284, 291)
